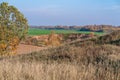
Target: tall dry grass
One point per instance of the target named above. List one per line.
(64, 63)
(54, 71)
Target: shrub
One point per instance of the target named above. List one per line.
(53, 39)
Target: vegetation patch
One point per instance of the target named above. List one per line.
(35, 31)
(89, 62)
(13, 28)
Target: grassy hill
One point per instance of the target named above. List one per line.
(67, 62)
(113, 38)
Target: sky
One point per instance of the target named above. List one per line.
(69, 12)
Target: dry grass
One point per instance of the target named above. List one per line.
(40, 71)
(77, 61)
(64, 63)
(54, 71)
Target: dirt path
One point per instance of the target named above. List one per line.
(25, 49)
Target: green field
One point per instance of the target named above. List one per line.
(35, 31)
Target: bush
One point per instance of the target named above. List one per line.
(53, 39)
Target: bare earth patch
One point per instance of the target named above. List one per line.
(25, 49)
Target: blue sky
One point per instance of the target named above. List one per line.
(69, 12)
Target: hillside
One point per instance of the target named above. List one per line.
(112, 38)
(63, 47)
(67, 62)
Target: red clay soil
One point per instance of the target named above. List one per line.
(25, 49)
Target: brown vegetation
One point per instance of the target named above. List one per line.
(44, 40)
(113, 38)
(53, 39)
(43, 71)
(36, 40)
(68, 62)
(54, 71)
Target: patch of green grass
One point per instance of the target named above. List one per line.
(35, 31)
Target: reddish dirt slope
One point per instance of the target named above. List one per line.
(25, 49)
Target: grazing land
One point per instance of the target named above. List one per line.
(35, 31)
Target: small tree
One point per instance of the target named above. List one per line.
(13, 28)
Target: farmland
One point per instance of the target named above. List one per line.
(35, 31)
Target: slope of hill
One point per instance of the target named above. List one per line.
(67, 62)
(113, 38)
(100, 62)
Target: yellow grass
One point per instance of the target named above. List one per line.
(67, 62)
(43, 71)
(64, 63)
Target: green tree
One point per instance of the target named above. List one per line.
(13, 28)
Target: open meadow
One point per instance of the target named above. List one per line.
(36, 31)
